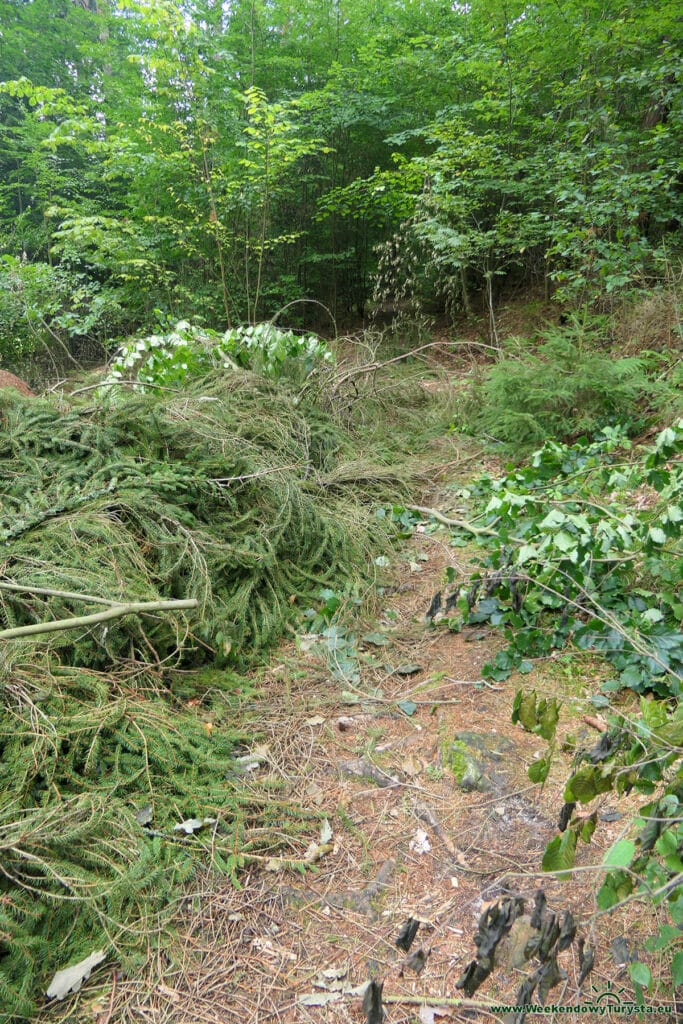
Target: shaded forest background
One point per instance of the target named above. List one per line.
(219, 161)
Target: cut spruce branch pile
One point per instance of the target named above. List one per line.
(180, 532)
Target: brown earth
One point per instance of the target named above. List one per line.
(9, 380)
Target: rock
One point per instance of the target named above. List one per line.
(472, 757)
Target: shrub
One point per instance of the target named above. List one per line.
(561, 390)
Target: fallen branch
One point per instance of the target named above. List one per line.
(461, 524)
(365, 368)
(48, 592)
(118, 383)
(115, 612)
(465, 1004)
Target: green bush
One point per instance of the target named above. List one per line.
(562, 389)
(46, 307)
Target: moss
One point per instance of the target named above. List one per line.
(458, 759)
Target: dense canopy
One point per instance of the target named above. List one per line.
(217, 161)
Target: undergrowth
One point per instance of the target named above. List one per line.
(582, 548)
(567, 386)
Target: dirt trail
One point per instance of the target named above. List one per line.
(408, 839)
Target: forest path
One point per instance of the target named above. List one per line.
(409, 840)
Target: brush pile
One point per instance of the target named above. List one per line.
(112, 734)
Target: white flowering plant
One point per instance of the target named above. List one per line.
(274, 352)
(166, 360)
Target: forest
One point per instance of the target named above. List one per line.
(351, 437)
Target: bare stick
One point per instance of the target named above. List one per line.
(462, 524)
(370, 368)
(90, 620)
(47, 592)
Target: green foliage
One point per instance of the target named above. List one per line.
(275, 353)
(236, 162)
(565, 387)
(562, 165)
(564, 567)
(538, 716)
(189, 352)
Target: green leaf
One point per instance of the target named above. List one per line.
(553, 519)
(664, 937)
(559, 855)
(607, 895)
(620, 855)
(548, 713)
(526, 553)
(675, 907)
(588, 828)
(586, 784)
(657, 535)
(564, 541)
(377, 639)
(667, 843)
(640, 974)
(538, 770)
(616, 887)
(677, 969)
(408, 706)
(524, 709)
